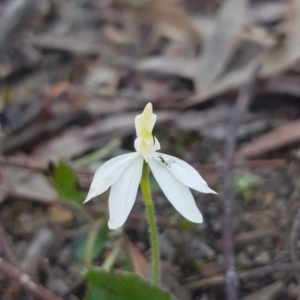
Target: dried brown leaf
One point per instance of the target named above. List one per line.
(169, 18)
(26, 183)
(139, 262)
(70, 144)
(60, 214)
(278, 138)
(116, 35)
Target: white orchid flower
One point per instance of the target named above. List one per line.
(123, 174)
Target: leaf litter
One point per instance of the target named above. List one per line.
(74, 75)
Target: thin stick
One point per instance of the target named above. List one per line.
(30, 164)
(8, 255)
(252, 274)
(25, 281)
(295, 234)
(5, 250)
(228, 247)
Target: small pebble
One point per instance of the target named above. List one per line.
(262, 258)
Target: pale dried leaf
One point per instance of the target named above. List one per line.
(116, 35)
(282, 57)
(278, 138)
(70, 144)
(267, 292)
(268, 11)
(182, 67)
(28, 184)
(102, 81)
(204, 25)
(272, 61)
(169, 18)
(221, 44)
(80, 45)
(96, 106)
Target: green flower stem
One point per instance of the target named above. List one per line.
(146, 190)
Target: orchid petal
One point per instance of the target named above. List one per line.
(123, 193)
(177, 193)
(185, 173)
(109, 173)
(145, 121)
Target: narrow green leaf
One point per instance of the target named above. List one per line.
(121, 286)
(98, 247)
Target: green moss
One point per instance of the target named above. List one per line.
(246, 186)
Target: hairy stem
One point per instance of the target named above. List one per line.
(146, 190)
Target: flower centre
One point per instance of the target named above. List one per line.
(147, 140)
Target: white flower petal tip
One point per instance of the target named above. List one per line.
(212, 192)
(86, 200)
(145, 121)
(184, 172)
(148, 108)
(196, 217)
(198, 220)
(112, 225)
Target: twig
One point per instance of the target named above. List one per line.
(5, 250)
(249, 164)
(22, 163)
(294, 242)
(25, 281)
(240, 107)
(13, 13)
(41, 200)
(219, 280)
(34, 166)
(8, 254)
